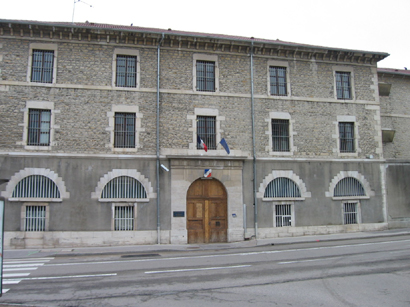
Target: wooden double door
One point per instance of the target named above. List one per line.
(207, 212)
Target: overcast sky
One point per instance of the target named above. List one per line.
(370, 25)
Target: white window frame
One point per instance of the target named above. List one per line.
(345, 118)
(209, 58)
(358, 211)
(126, 52)
(24, 217)
(283, 64)
(352, 88)
(47, 47)
(111, 126)
(292, 148)
(292, 217)
(113, 219)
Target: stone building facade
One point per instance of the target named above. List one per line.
(101, 128)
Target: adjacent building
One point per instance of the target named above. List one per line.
(125, 135)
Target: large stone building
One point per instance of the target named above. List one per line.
(102, 131)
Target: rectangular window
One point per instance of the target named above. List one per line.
(350, 213)
(39, 122)
(283, 215)
(278, 85)
(123, 218)
(124, 130)
(35, 219)
(343, 85)
(206, 130)
(205, 76)
(346, 135)
(280, 135)
(42, 66)
(126, 71)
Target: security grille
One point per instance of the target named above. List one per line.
(36, 186)
(349, 186)
(35, 219)
(124, 187)
(39, 122)
(278, 85)
(42, 66)
(280, 135)
(124, 130)
(350, 213)
(205, 76)
(343, 85)
(205, 127)
(124, 218)
(282, 187)
(126, 73)
(283, 215)
(346, 135)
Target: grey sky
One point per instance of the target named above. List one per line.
(371, 25)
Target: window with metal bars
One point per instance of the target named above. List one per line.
(123, 218)
(280, 135)
(206, 130)
(350, 213)
(35, 218)
(39, 123)
(349, 187)
(278, 84)
(346, 136)
(124, 130)
(343, 85)
(205, 76)
(42, 66)
(36, 186)
(282, 187)
(283, 215)
(124, 187)
(126, 71)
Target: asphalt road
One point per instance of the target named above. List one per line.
(366, 272)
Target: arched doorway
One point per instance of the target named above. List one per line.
(207, 212)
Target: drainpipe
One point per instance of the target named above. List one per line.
(158, 162)
(255, 202)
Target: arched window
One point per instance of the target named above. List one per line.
(349, 186)
(124, 187)
(36, 186)
(282, 187)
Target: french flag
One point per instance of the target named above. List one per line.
(202, 144)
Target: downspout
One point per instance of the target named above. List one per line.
(255, 201)
(158, 162)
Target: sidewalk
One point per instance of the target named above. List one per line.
(147, 249)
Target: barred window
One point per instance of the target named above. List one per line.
(124, 187)
(283, 215)
(126, 71)
(350, 213)
(206, 130)
(123, 218)
(42, 66)
(205, 76)
(343, 85)
(278, 84)
(280, 135)
(39, 123)
(349, 187)
(124, 130)
(346, 136)
(35, 218)
(282, 187)
(36, 186)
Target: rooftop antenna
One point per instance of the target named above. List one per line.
(76, 1)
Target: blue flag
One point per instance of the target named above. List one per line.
(225, 145)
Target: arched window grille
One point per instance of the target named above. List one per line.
(349, 186)
(36, 186)
(124, 187)
(282, 187)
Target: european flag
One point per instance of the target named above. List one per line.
(225, 145)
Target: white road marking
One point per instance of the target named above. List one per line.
(69, 276)
(19, 269)
(199, 269)
(5, 290)
(16, 275)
